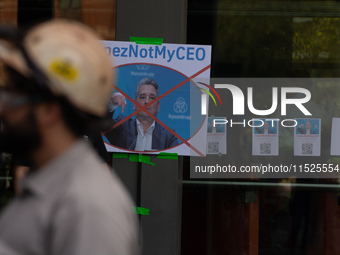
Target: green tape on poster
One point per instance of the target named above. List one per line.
(119, 155)
(140, 158)
(140, 210)
(334, 160)
(146, 40)
(166, 155)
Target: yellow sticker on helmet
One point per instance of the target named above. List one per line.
(65, 69)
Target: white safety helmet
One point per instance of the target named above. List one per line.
(73, 61)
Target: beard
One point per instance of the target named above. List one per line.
(22, 138)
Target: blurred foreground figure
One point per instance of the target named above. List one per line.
(58, 82)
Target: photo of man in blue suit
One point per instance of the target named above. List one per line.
(142, 133)
(265, 129)
(306, 131)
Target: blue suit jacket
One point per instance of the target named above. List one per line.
(261, 130)
(304, 131)
(125, 135)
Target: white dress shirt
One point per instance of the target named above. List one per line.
(144, 141)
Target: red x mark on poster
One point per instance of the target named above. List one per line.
(143, 108)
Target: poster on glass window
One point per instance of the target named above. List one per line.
(151, 106)
(307, 137)
(265, 138)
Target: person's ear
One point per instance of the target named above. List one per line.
(159, 105)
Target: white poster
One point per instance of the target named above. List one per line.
(335, 138)
(265, 137)
(216, 138)
(151, 108)
(307, 137)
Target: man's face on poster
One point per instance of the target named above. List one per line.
(308, 125)
(146, 94)
(266, 125)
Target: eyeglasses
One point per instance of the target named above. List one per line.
(10, 101)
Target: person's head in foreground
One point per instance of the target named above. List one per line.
(308, 125)
(56, 81)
